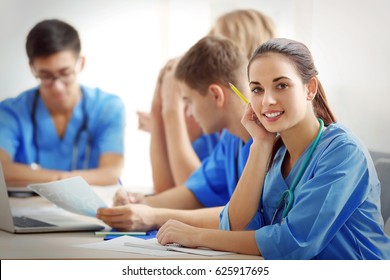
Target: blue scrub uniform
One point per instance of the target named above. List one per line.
(205, 144)
(336, 211)
(214, 182)
(105, 129)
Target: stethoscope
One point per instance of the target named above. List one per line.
(289, 193)
(236, 158)
(75, 150)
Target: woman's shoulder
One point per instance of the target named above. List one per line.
(338, 132)
(338, 137)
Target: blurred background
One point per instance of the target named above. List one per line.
(126, 42)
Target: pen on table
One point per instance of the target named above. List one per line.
(238, 93)
(119, 233)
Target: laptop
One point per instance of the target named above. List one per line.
(25, 221)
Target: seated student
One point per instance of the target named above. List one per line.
(318, 196)
(60, 129)
(178, 144)
(204, 73)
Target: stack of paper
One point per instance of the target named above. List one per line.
(148, 247)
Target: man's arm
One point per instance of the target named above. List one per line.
(161, 171)
(17, 174)
(107, 173)
(178, 197)
(183, 159)
(204, 218)
(142, 217)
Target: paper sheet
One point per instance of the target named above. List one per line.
(73, 194)
(117, 244)
(148, 247)
(153, 243)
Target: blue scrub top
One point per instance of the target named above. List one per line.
(105, 127)
(205, 144)
(214, 181)
(336, 211)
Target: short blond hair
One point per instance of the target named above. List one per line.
(247, 28)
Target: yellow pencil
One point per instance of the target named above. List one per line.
(238, 93)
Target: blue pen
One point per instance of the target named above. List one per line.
(120, 233)
(124, 192)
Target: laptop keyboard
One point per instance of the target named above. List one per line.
(28, 222)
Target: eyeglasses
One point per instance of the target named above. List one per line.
(65, 78)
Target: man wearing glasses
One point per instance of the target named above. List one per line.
(60, 128)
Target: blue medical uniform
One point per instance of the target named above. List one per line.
(336, 211)
(205, 144)
(214, 181)
(105, 130)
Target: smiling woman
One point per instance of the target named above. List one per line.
(309, 193)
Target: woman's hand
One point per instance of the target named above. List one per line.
(123, 197)
(157, 100)
(177, 232)
(255, 128)
(143, 121)
(171, 98)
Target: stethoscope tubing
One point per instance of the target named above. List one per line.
(75, 150)
(290, 192)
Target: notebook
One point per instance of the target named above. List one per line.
(20, 192)
(47, 221)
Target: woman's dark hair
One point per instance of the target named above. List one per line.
(301, 58)
(51, 36)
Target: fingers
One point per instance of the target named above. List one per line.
(164, 234)
(116, 217)
(112, 214)
(136, 198)
(121, 198)
(248, 114)
(144, 121)
(170, 65)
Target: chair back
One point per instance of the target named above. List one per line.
(382, 166)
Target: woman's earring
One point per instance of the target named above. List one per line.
(310, 97)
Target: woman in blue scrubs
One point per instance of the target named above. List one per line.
(178, 145)
(60, 129)
(316, 196)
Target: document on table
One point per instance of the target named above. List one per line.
(148, 247)
(153, 244)
(73, 194)
(117, 244)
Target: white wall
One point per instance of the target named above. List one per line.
(127, 41)
(351, 44)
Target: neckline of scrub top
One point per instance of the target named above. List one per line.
(295, 169)
(46, 127)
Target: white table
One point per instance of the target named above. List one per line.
(60, 245)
